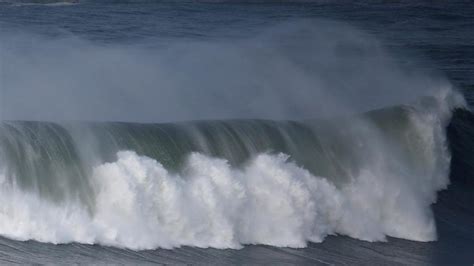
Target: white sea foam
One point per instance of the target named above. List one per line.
(270, 200)
(140, 205)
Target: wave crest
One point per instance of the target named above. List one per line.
(393, 162)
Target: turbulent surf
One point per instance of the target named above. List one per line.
(226, 183)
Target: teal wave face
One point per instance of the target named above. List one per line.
(56, 159)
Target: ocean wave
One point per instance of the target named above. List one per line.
(225, 184)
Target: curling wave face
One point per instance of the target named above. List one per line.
(227, 183)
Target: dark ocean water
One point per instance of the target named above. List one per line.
(153, 61)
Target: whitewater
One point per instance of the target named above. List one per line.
(382, 176)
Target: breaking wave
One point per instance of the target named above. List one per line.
(227, 183)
